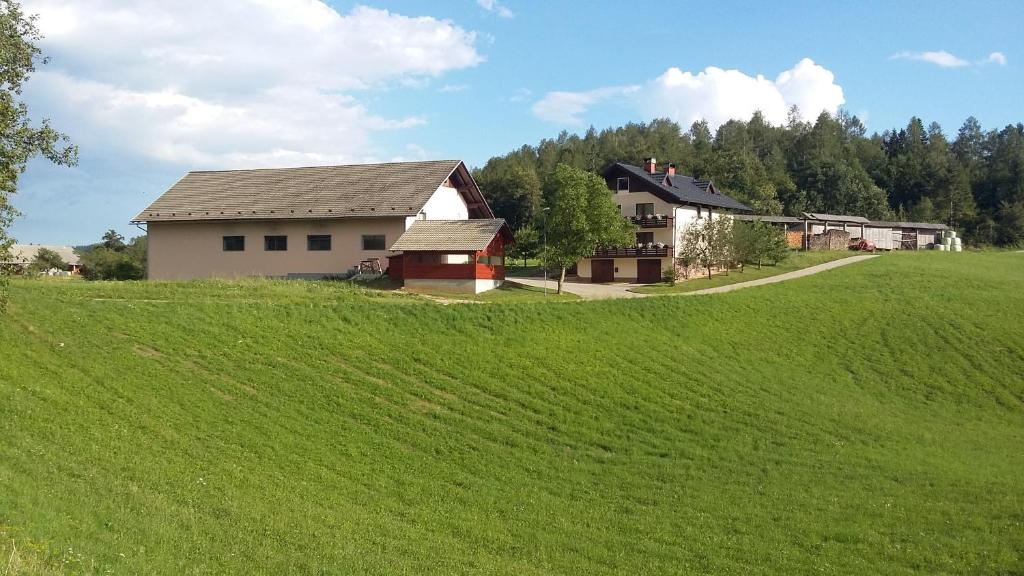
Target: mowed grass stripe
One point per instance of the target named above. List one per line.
(307, 427)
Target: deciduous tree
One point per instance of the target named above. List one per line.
(47, 259)
(582, 217)
(21, 139)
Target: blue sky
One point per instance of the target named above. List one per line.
(151, 90)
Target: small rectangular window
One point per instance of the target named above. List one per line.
(318, 242)
(491, 260)
(275, 243)
(645, 209)
(373, 242)
(456, 258)
(234, 243)
(622, 185)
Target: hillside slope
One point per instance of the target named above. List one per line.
(865, 420)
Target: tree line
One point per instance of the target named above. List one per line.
(974, 182)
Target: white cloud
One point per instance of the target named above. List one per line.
(496, 7)
(996, 58)
(520, 94)
(939, 58)
(224, 83)
(453, 88)
(714, 94)
(566, 107)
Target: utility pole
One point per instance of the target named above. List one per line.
(545, 249)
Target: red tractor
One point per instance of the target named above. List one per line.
(864, 245)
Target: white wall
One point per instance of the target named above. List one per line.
(460, 286)
(627, 202)
(686, 216)
(445, 204)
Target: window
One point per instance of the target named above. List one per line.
(491, 260)
(645, 237)
(373, 242)
(275, 243)
(622, 185)
(456, 258)
(234, 243)
(318, 242)
(645, 209)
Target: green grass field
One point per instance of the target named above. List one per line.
(867, 420)
(796, 261)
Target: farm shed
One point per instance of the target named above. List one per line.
(819, 223)
(452, 255)
(311, 222)
(881, 235)
(912, 235)
(23, 255)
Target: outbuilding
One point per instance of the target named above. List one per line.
(451, 255)
(913, 235)
(23, 255)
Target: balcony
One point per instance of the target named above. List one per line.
(644, 251)
(651, 221)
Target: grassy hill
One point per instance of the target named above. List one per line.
(865, 420)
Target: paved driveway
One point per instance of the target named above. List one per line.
(589, 291)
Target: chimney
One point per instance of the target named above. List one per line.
(671, 169)
(650, 165)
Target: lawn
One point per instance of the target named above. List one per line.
(508, 293)
(797, 260)
(513, 292)
(868, 420)
(533, 268)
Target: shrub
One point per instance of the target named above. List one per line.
(670, 275)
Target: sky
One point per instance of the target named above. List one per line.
(150, 89)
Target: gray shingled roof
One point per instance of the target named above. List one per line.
(921, 225)
(835, 217)
(26, 253)
(685, 189)
(360, 190)
(767, 218)
(449, 235)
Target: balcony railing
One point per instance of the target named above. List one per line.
(651, 221)
(634, 252)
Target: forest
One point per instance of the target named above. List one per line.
(973, 181)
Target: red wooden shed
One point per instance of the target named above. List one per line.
(451, 255)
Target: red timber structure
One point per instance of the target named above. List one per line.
(451, 255)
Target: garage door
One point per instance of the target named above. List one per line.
(602, 270)
(648, 271)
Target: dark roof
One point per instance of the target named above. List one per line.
(359, 190)
(454, 235)
(921, 225)
(682, 189)
(834, 217)
(767, 218)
